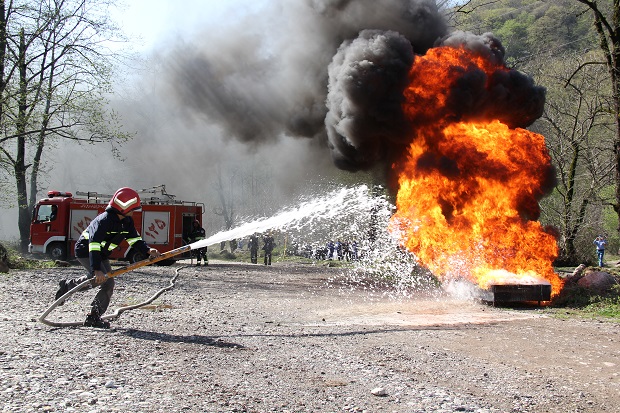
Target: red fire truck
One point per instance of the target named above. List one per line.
(59, 219)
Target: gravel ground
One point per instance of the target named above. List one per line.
(251, 338)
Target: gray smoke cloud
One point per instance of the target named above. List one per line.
(267, 76)
(335, 71)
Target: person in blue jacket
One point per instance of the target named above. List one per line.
(96, 243)
(600, 249)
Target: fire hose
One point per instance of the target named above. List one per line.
(112, 274)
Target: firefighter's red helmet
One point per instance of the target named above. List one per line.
(125, 200)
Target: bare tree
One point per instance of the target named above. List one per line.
(576, 124)
(227, 207)
(55, 71)
(606, 20)
(244, 191)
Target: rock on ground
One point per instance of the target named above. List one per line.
(294, 338)
(599, 281)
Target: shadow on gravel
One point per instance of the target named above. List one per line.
(169, 338)
(365, 332)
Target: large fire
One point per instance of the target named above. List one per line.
(468, 194)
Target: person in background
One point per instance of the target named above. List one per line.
(330, 250)
(253, 246)
(96, 243)
(268, 247)
(600, 249)
(354, 250)
(338, 248)
(54, 213)
(197, 234)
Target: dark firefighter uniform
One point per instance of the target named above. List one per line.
(253, 245)
(103, 235)
(268, 247)
(197, 234)
(93, 250)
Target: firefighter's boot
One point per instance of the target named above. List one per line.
(62, 290)
(94, 320)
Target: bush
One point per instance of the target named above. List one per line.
(589, 302)
(17, 261)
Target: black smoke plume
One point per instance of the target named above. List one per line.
(335, 71)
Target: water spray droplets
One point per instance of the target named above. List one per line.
(334, 214)
(383, 268)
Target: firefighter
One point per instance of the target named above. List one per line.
(253, 246)
(268, 247)
(196, 234)
(93, 248)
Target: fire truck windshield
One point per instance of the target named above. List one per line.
(46, 213)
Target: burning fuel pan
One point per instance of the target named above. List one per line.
(504, 293)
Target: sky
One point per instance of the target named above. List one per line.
(150, 21)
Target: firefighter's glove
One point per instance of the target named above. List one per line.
(100, 277)
(154, 253)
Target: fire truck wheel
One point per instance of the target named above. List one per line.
(135, 256)
(57, 251)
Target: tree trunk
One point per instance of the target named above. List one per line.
(614, 70)
(36, 162)
(573, 224)
(617, 147)
(45, 120)
(20, 161)
(3, 44)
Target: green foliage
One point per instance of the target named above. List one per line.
(513, 33)
(610, 228)
(528, 27)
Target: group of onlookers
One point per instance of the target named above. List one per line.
(332, 250)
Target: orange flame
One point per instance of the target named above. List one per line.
(464, 186)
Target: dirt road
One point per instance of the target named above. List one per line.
(244, 338)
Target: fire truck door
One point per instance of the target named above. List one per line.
(80, 218)
(47, 226)
(155, 227)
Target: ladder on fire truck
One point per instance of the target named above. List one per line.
(158, 196)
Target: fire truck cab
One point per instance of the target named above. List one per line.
(59, 219)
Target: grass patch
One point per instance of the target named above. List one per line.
(17, 261)
(577, 301)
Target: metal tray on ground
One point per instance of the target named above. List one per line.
(505, 293)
